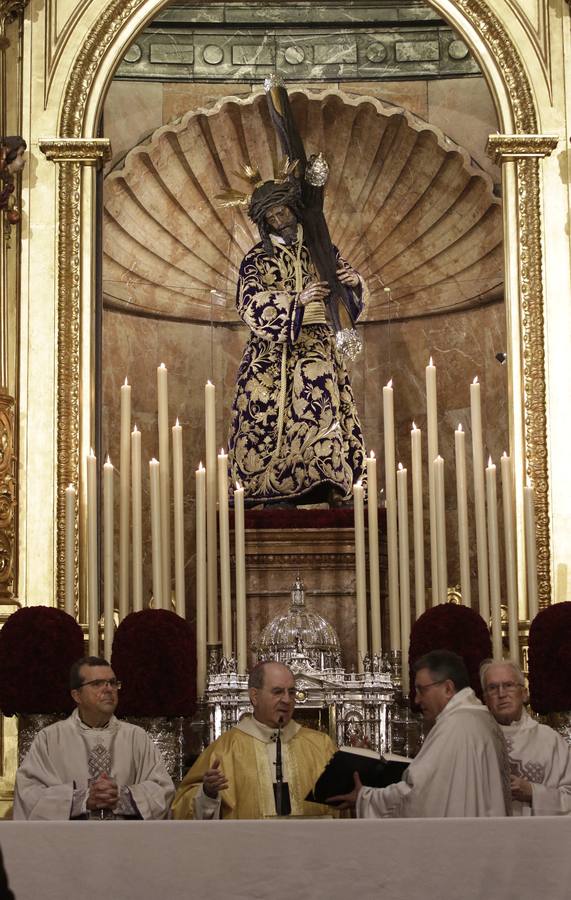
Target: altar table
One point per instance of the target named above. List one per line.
(416, 859)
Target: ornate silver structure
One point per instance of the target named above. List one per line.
(351, 707)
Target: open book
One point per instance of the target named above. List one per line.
(374, 770)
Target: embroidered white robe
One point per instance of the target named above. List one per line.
(537, 753)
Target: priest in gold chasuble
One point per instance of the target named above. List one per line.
(235, 777)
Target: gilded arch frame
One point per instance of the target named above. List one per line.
(520, 150)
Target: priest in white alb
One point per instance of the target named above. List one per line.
(540, 759)
(91, 765)
(462, 767)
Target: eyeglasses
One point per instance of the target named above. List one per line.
(422, 688)
(99, 683)
(509, 687)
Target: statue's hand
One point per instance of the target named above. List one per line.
(317, 290)
(348, 276)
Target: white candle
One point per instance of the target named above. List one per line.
(108, 543)
(432, 429)
(479, 499)
(374, 578)
(392, 539)
(440, 510)
(510, 553)
(418, 520)
(211, 534)
(178, 496)
(224, 528)
(124, 486)
(530, 551)
(70, 550)
(240, 549)
(462, 506)
(155, 491)
(404, 573)
(164, 471)
(200, 482)
(494, 560)
(92, 569)
(360, 573)
(137, 511)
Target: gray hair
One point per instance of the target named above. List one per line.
(488, 663)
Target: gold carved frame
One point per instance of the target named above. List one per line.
(519, 154)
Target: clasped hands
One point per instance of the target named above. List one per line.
(318, 290)
(521, 789)
(214, 780)
(103, 793)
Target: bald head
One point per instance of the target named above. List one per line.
(272, 693)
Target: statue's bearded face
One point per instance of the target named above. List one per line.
(281, 220)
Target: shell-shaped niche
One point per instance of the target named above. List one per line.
(405, 205)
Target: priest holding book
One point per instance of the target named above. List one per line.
(462, 769)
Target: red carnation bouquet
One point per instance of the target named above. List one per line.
(456, 628)
(550, 660)
(155, 659)
(38, 646)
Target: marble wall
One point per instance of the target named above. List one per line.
(462, 343)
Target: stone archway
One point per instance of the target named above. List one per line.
(520, 151)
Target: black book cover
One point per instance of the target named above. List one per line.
(374, 771)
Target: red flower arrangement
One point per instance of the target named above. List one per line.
(38, 646)
(456, 628)
(154, 657)
(550, 659)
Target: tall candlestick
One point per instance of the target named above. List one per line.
(432, 429)
(156, 536)
(70, 550)
(178, 496)
(494, 560)
(200, 482)
(92, 573)
(418, 520)
(479, 499)
(391, 489)
(360, 573)
(124, 486)
(530, 551)
(163, 416)
(404, 573)
(224, 528)
(137, 511)
(510, 553)
(462, 505)
(240, 549)
(374, 578)
(211, 535)
(108, 543)
(440, 510)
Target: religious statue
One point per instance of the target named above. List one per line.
(295, 435)
(12, 161)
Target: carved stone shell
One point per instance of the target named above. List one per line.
(405, 205)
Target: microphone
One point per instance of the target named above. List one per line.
(279, 769)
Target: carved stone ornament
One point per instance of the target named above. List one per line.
(481, 17)
(502, 147)
(7, 497)
(10, 10)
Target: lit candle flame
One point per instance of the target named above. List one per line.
(125, 383)
(162, 366)
(400, 467)
(490, 463)
(135, 428)
(414, 428)
(460, 426)
(430, 363)
(372, 456)
(475, 381)
(390, 383)
(107, 461)
(200, 466)
(177, 425)
(238, 486)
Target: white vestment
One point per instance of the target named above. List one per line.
(461, 769)
(53, 780)
(537, 753)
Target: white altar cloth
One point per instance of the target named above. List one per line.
(390, 859)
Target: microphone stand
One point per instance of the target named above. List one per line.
(279, 773)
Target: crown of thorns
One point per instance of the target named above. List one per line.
(283, 168)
